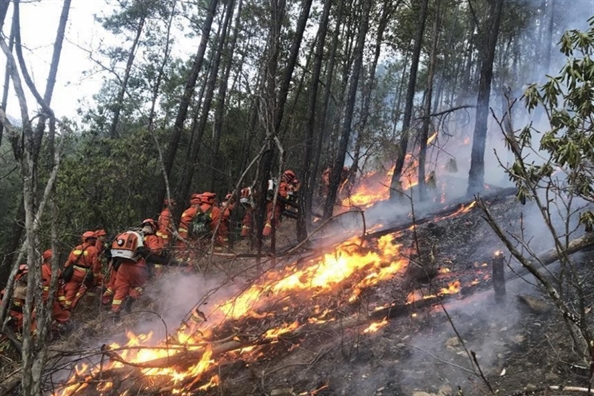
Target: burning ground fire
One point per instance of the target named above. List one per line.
(184, 361)
(374, 186)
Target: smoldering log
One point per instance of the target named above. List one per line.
(504, 193)
(499, 276)
(553, 255)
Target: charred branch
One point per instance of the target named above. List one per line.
(440, 215)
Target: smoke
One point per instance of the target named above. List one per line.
(174, 295)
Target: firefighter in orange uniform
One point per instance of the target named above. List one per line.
(165, 224)
(82, 266)
(155, 244)
(101, 236)
(246, 200)
(186, 219)
(15, 309)
(103, 255)
(287, 187)
(227, 208)
(59, 314)
(130, 251)
(344, 187)
(216, 216)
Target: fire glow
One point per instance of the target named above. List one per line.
(370, 265)
(355, 263)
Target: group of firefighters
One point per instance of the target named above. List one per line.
(136, 255)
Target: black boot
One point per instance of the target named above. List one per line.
(116, 317)
(128, 304)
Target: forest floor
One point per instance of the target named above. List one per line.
(428, 351)
(521, 344)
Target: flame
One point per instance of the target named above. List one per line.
(376, 326)
(453, 288)
(275, 333)
(358, 262)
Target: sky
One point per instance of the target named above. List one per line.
(39, 22)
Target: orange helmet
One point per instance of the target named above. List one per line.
(208, 197)
(195, 199)
(47, 255)
(100, 232)
(289, 175)
(88, 235)
(149, 222)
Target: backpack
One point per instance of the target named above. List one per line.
(200, 225)
(126, 245)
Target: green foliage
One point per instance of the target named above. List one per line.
(107, 183)
(568, 147)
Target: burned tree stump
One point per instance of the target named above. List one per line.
(499, 276)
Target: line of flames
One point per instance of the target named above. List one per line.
(317, 277)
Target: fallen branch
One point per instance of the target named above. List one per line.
(536, 391)
(440, 215)
(553, 255)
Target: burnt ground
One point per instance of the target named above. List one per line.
(423, 350)
(440, 350)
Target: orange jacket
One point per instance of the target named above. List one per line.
(154, 243)
(85, 256)
(186, 219)
(46, 277)
(165, 225)
(216, 215)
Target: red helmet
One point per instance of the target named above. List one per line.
(88, 235)
(47, 255)
(99, 233)
(228, 196)
(208, 197)
(23, 269)
(149, 222)
(289, 175)
(195, 199)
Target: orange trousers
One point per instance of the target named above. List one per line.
(130, 280)
(72, 288)
(277, 217)
(110, 287)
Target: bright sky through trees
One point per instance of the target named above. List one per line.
(38, 31)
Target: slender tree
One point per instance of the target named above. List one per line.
(308, 177)
(476, 175)
(395, 186)
(119, 100)
(427, 104)
(186, 98)
(350, 107)
(200, 125)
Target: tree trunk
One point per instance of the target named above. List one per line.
(350, 107)
(476, 175)
(548, 39)
(113, 133)
(279, 106)
(187, 98)
(200, 126)
(388, 8)
(330, 68)
(6, 87)
(308, 184)
(427, 105)
(229, 51)
(395, 185)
